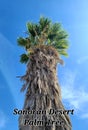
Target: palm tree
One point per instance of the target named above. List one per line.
(44, 44)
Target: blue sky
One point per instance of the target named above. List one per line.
(73, 76)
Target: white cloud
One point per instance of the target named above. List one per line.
(85, 115)
(82, 59)
(74, 94)
(3, 119)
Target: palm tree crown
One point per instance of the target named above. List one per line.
(43, 33)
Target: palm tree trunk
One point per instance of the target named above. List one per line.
(43, 91)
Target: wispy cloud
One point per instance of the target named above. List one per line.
(3, 119)
(74, 94)
(85, 115)
(82, 59)
(9, 65)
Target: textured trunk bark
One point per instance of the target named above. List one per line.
(43, 92)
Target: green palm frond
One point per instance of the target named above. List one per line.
(24, 58)
(22, 41)
(62, 52)
(31, 29)
(44, 23)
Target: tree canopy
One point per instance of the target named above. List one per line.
(43, 33)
